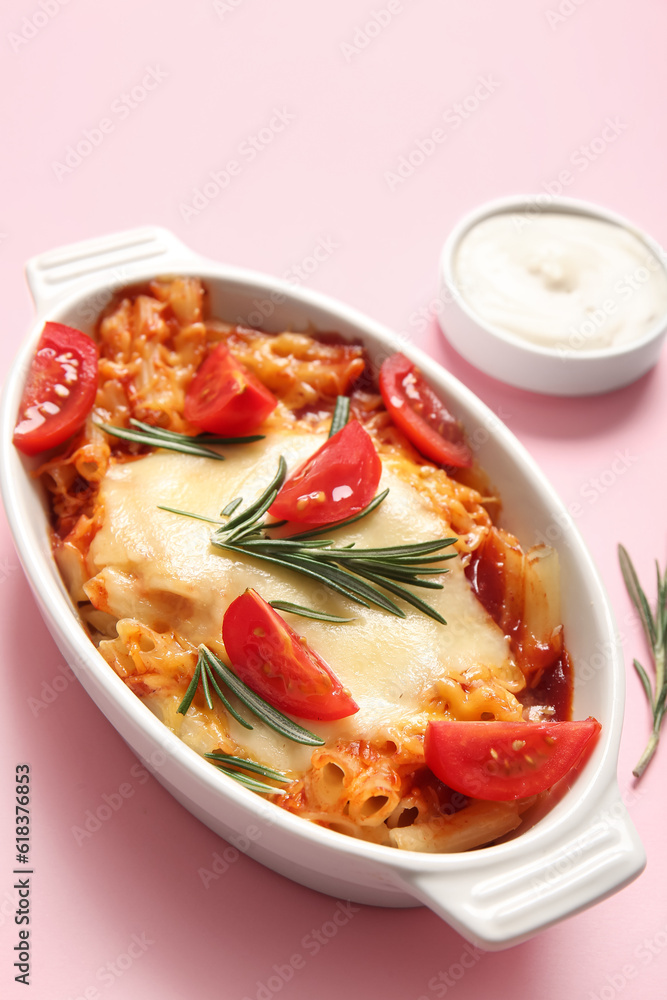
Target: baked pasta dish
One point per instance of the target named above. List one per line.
(295, 562)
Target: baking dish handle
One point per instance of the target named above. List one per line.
(112, 260)
(505, 903)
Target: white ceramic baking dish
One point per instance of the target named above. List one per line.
(582, 850)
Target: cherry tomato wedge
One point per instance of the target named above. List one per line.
(338, 481)
(421, 415)
(276, 663)
(225, 398)
(60, 389)
(505, 760)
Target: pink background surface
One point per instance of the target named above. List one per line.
(219, 72)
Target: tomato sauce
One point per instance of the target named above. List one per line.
(546, 665)
(554, 689)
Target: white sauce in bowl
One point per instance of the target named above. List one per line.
(561, 280)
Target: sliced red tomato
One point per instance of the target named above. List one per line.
(338, 481)
(277, 664)
(505, 760)
(59, 391)
(421, 415)
(225, 398)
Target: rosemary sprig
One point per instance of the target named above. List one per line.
(269, 715)
(204, 673)
(341, 414)
(365, 576)
(210, 670)
(236, 766)
(158, 437)
(655, 629)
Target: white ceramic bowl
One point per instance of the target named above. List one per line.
(582, 850)
(531, 366)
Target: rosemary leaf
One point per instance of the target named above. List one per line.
(341, 414)
(299, 609)
(203, 439)
(187, 513)
(192, 687)
(392, 572)
(396, 553)
(248, 765)
(655, 628)
(637, 595)
(205, 687)
(643, 676)
(223, 698)
(158, 441)
(282, 545)
(258, 504)
(406, 595)
(252, 784)
(426, 560)
(231, 507)
(267, 713)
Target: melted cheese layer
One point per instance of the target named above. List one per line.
(160, 568)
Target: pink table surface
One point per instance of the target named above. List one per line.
(525, 93)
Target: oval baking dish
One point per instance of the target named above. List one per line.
(580, 851)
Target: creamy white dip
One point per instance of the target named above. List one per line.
(561, 280)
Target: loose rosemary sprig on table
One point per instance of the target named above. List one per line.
(655, 628)
(365, 576)
(210, 670)
(158, 437)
